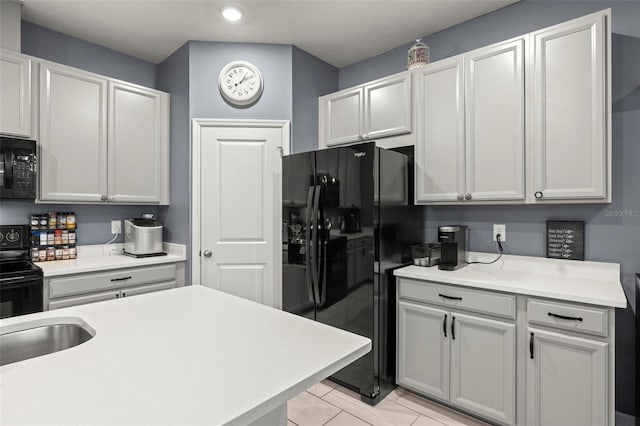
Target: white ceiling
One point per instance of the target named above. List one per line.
(340, 32)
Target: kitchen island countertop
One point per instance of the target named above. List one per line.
(189, 355)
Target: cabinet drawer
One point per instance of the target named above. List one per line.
(580, 318)
(83, 300)
(85, 283)
(492, 303)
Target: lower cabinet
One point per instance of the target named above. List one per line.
(465, 360)
(80, 289)
(567, 380)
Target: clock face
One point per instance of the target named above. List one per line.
(240, 83)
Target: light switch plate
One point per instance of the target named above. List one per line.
(500, 229)
(116, 227)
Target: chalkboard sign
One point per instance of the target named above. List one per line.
(565, 239)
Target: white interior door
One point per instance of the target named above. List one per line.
(239, 177)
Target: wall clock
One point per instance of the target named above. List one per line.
(240, 83)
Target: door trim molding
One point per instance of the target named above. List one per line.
(196, 131)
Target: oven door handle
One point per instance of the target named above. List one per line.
(4, 280)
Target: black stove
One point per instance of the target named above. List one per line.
(21, 290)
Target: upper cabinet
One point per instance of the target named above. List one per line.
(15, 94)
(540, 100)
(571, 111)
(101, 140)
(377, 110)
(471, 126)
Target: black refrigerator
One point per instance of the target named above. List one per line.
(348, 222)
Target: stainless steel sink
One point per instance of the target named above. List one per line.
(37, 341)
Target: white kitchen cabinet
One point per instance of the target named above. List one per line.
(567, 380)
(494, 122)
(470, 144)
(423, 349)
(73, 134)
(468, 361)
(439, 151)
(135, 143)
(483, 366)
(342, 116)
(78, 289)
(387, 106)
(101, 140)
(572, 111)
(15, 94)
(376, 110)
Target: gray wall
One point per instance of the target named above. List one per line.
(612, 231)
(94, 221)
(312, 78)
(64, 49)
(173, 77)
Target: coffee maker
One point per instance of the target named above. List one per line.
(453, 250)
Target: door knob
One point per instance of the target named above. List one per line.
(467, 197)
(207, 253)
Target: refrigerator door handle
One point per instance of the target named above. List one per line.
(307, 241)
(314, 243)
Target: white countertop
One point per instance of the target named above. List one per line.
(596, 283)
(109, 256)
(190, 355)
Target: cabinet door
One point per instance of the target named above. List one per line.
(15, 94)
(73, 134)
(387, 110)
(440, 143)
(494, 117)
(150, 288)
(135, 143)
(423, 349)
(566, 380)
(483, 366)
(344, 118)
(83, 300)
(570, 131)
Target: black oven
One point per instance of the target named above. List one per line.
(21, 290)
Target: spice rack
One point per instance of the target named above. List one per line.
(53, 236)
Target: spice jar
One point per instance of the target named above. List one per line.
(72, 252)
(42, 255)
(34, 221)
(58, 253)
(62, 220)
(43, 238)
(58, 237)
(65, 253)
(35, 254)
(50, 238)
(51, 253)
(71, 220)
(65, 237)
(52, 220)
(44, 221)
(72, 237)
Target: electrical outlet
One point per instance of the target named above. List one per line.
(500, 229)
(116, 227)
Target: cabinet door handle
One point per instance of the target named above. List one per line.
(531, 346)
(538, 194)
(120, 279)
(104, 198)
(117, 295)
(124, 294)
(460, 198)
(444, 325)
(467, 197)
(551, 314)
(444, 296)
(453, 327)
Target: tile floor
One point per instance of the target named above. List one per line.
(332, 405)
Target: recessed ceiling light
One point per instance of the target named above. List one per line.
(232, 14)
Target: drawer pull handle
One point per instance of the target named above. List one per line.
(444, 296)
(531, 347)
(120, 279)
(444, 325)
(453, 327)
(551, 314)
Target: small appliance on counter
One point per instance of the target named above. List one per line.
(350, 221)
(143, 237)
(21, 289)
(427, 254)
(453, 250)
